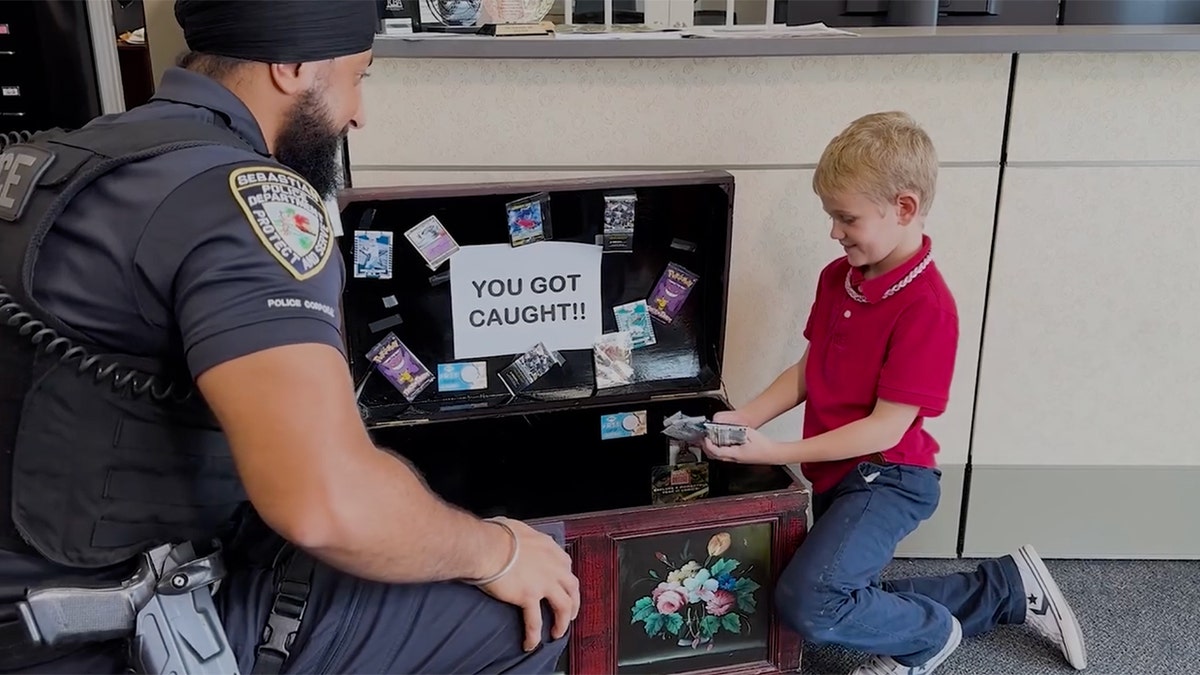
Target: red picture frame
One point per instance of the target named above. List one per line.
(595, 540)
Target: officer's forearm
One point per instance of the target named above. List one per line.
(387, 526)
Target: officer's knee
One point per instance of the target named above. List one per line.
(809, 604)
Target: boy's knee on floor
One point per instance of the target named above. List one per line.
(812, 608)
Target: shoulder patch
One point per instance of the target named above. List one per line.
(288, 216)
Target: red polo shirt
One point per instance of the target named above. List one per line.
(900, 348)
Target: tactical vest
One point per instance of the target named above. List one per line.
(106, 454)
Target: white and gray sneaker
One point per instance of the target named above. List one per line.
(886, 665)
(1046, 609)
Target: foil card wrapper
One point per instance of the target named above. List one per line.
(684, 428)
(529, 219)
(725, 434)
(671, 291)
(403, 369)
(619, 214)
(634, 318)
(530, 367)
(678, 484)
(623, 425)
(466, 376)
(613, 357)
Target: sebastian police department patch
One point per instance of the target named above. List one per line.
(288, 216)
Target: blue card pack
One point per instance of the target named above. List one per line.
(466, 376)
(623, 425)
(372, 254)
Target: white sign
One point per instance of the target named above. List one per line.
(506, 300)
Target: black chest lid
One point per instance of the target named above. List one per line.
(504, 299)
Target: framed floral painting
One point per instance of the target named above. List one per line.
(695, 599)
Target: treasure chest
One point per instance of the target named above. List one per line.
(526, 345)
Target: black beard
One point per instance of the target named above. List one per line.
(308, 144)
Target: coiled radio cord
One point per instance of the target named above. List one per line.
(13, 137)
(48, 342)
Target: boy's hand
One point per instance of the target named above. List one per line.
(758, 449)
(733, 417)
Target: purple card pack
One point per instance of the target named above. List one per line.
(404, 370)
(670, 293)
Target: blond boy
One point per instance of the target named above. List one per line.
(883, 334)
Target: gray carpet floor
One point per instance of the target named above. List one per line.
(1137, 617)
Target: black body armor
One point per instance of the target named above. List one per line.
(106, 454)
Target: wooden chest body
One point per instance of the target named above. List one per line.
(671, 588)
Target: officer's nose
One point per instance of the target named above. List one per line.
(359, 119)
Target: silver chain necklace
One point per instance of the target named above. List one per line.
(908, 278)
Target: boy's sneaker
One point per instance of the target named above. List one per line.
(886, 665)
(1046, 610)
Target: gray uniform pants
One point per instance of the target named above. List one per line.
(354, 626)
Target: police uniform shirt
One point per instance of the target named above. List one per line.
(212, 252)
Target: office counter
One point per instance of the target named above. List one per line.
(869, 41)
(1070, 159)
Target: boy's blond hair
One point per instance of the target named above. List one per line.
(879, 155)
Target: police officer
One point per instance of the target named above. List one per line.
(171, 352)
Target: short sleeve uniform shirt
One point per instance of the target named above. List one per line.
(897, 341)
(208, 253)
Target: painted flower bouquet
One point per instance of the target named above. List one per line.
(694, 602)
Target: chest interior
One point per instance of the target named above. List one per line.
(540, 451)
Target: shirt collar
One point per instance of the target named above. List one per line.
(180, 85)
(873, 289)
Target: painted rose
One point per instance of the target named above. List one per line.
(701, 587)
(719, 544)
(686, 572)
(669, 597)
(721, 603)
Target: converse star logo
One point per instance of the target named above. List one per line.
(1037, 608)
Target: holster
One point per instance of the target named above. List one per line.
(165, 610)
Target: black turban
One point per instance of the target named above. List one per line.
(278, 31)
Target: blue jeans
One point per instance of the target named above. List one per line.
(831, 593)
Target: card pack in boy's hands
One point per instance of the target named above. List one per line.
(432, 241)
(671, 292)
(404, 370)
(687, 429)
(530, 366)
(674, 484)
(467, 376)
(633, 318)
(529, 219)
(372, 254)
(613, 356)
(725, 434)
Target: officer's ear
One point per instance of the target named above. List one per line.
(293, 79)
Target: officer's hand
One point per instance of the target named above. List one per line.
(542, 572)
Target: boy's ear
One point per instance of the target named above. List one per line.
(907, 207)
